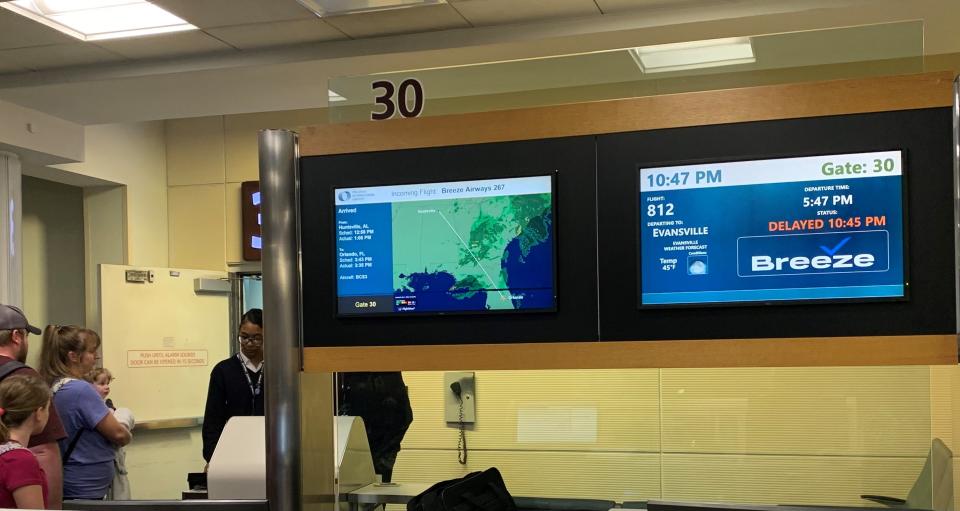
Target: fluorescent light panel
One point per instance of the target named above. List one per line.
(662, 58)
(324, 8)
(93, 20)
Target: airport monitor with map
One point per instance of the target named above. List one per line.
(443, 248)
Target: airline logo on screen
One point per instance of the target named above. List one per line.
(811, 254)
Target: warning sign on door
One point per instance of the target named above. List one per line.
(166, 358)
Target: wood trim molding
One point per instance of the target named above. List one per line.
(636, 114)
(788, 352)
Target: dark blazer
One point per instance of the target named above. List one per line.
(228, 396)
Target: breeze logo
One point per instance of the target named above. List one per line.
(805, 254)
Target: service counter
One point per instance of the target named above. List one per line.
(166, 505)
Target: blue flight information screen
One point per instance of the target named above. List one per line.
(454, 247)
(775, 230)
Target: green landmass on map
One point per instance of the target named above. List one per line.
(467, 239)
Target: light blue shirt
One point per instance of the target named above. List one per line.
(89, 471)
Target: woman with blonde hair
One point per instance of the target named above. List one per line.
(24, 410)
(93, 433)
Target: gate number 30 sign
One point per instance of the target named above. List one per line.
(407, 99)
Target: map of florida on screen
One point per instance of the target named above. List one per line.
(466, 246)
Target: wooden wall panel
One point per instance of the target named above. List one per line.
(787, 352)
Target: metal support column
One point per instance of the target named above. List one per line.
(279, 156)
(11, 241)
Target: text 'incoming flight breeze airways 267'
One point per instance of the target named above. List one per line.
(456, 247)
(775, 230)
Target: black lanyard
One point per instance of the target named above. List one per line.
(254, 390)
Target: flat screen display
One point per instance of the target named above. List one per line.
(481, 246)
(774, 230)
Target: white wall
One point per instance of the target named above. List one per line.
(38, 137)
(125, 223)
(133, 155)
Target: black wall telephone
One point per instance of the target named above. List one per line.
(462, 441)
(460, 406)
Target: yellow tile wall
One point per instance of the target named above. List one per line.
(613, 476)
(503, 395)
(883, 411)
(827, 480)
(241, 130)
(217, 151)
(763, 435)
(195, 151)
(233, 207)
(197, 227)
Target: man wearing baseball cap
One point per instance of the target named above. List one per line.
(14, 331)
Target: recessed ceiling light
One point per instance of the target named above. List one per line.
(693, 55)
(93, 20)
(325, 8)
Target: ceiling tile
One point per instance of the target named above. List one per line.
(17, 31)
(399, 21)
(220, 13)
(9, 68)
(165, 45)
(612, 6)
(57, 55)
(494, 12)
(262, 35)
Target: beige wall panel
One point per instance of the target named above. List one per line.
(197, 227)
(852, 411)
(317, 439)
(944, 394)
(786, 479)
(195, 151)
(158, 462)
(607, 475)
(53, 255)
(234, 223)
(571, 410)
(240, 137)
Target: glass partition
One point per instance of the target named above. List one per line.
(820, 436)
(848, 52)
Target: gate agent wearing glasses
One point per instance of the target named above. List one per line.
(236, 384)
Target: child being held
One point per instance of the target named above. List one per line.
(101, 378)
(24, 410)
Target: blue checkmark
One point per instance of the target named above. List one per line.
(831, 251)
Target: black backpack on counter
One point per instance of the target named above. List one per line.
(477, 491)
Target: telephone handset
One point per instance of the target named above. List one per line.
(462, 441)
